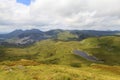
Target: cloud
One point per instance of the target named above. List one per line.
(63, 14)
(12, 12)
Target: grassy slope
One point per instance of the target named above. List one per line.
(58, 52)
(52, 52)
(55, 72)
(48, 52)
(105, 48)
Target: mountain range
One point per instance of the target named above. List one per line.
(26, 37)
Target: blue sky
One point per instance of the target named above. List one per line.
(26, 2)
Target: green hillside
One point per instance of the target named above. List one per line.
(59, 52)
(104, 48)
(66, 36)
(58, 56)
(59, 72)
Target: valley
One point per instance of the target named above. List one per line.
(96, 58)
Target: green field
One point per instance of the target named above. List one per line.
(55, 60)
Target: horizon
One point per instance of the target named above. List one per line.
(53, 29)
(64, 14)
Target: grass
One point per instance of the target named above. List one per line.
(59, 52)
(55, 60)
(56, 72)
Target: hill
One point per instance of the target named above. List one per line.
(49, 51)
(58, 60)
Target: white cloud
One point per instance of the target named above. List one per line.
(65, 14)
(12, 12)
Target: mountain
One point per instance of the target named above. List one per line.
(93, 33)
(11, 34)
(20, 37)
(34, 33)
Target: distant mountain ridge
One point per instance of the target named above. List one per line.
(34, 35)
